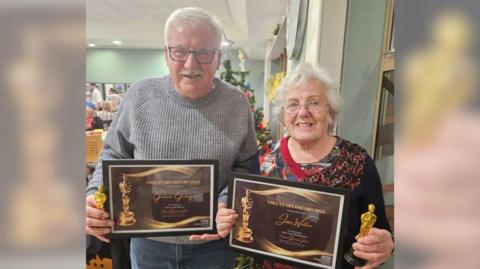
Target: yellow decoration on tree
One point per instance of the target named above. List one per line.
(272, 85)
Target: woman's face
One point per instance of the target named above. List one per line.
(306, 112)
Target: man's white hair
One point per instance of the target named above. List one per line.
(195, 17)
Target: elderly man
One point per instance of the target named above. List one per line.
(188, 114)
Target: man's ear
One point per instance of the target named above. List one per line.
(219, 59)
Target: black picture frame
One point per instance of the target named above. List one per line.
(100, 86)
(161, 197)
(121, 88)
(107, 89)
(284, 216)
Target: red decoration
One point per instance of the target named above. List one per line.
(261, 126)
(248, 93)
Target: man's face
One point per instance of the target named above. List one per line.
(191, 79)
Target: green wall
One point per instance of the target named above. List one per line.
(361, 65)
(123, 65)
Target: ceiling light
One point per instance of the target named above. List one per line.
(117, 42)
(91, 45)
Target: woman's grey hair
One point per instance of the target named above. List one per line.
(193, 16)
(303, 73)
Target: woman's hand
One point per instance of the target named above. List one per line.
(376, 247)
(225, 220)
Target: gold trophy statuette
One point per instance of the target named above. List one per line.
(244, 234)
(126, 217)
(368, 220)
(100, 198)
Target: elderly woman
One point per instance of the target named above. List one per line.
(308, 104)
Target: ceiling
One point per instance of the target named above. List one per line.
(139, 23)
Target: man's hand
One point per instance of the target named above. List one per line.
(376, 247)
(97, 222)
(225, 220)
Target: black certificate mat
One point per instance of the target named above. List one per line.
(161, 197)
(296, 223)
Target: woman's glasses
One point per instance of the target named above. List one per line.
(312, 106)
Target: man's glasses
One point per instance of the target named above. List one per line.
(312, 106)
(202, 56)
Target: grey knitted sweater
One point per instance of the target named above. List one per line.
(155, 122)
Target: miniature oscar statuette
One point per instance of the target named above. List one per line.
(244, 234)
(367, 221)
(126, 217)
(100, 198)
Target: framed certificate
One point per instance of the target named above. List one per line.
(295, 223)
(161, 197)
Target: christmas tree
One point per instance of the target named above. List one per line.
(238, 78)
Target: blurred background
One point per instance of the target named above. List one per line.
(41, 162)
(425, 139)
(437, 168)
